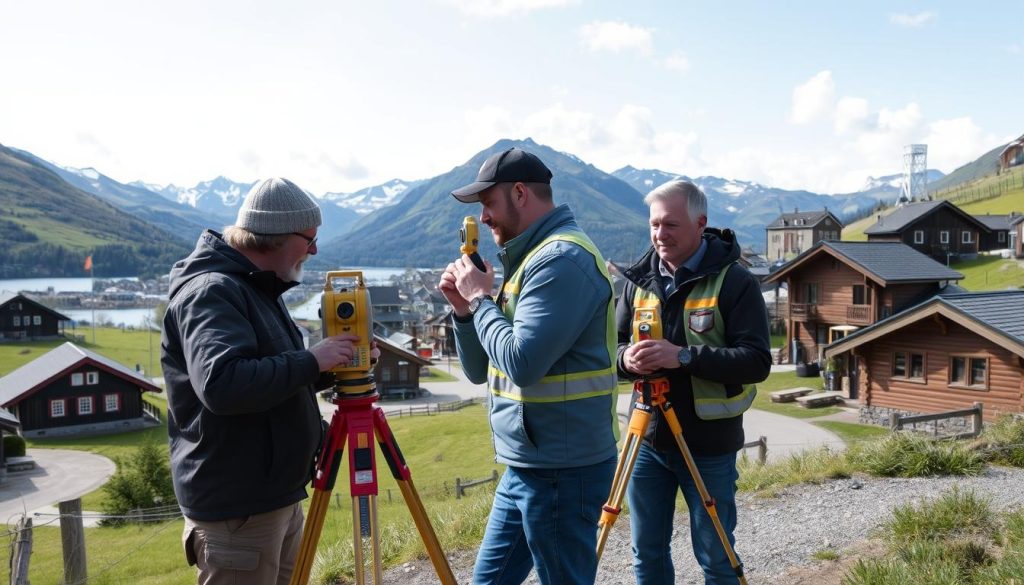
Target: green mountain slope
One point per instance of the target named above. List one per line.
(422, 230)
(48, 227)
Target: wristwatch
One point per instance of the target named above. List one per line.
(474, 304)
(685, 357)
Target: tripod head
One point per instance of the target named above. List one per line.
(345, 308)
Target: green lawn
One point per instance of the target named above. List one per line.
(128, 347)
(782, 381)
(850, 432)
(990, 273)
(437, 375)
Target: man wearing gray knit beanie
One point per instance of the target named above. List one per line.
(243, 419)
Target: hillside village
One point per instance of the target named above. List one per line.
(877, 320)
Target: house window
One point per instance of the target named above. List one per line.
(37, 320)
(966, 237)
(1001, 237)
(968, 372)
(17, 320)
(886, 311)
(944, 237)
(811, 293)
(918, 236)
(835, 264)
(908, 365)
(92, 378)
(111, 402)
(57, 408)
(85, 405)
(77, 379)
(403, 373)
(385, 375)
(861, 295)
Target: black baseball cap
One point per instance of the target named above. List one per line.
(511, 166)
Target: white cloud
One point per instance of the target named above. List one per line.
(912, 20)
(616, 37)
(953, 142)
(813, 98)
(677, 61)
(851, 113)
(501, 8)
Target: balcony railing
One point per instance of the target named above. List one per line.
(803, 311)
(860, 314)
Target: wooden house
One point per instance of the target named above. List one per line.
(23, 318)
(793, 233)
(9, 425)
(1017, 236)
(73, 391)
(943, 354)
(1012, 155)
(398, 371)
(389, 314)
(999, 236)
(937, 229)
(838, 287)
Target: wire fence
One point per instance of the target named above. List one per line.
(1011, 179)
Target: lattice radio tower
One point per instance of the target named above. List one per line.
(915, 172)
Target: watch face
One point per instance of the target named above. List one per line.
(685, 357)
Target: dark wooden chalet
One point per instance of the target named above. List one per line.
(935, 228)
(793, 233)
(999, 237)
(943, 354)
(398, 371)
(70, 390)
(389, 310)
(838, 287)
(9, 425)
(23, 318)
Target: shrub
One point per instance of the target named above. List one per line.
(14, 446)
(909, 455)
(143, 480)
(1003, 441)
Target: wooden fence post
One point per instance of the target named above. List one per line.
(22, 552)
(762, 449)
(894, 421)
(977, 423)
(72, 538)
(458, 488)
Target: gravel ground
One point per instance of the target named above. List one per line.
(776, 536)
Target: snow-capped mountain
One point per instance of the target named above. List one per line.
(372, 198)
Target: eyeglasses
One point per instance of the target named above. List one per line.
(310, 242)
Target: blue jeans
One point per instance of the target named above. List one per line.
(544, 519)
(651, 494)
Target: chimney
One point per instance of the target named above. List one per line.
(879, 219)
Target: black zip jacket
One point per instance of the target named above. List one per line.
(745, 360)
(242, 416)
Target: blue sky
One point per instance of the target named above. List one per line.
(346, 94)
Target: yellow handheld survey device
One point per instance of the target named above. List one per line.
(345, 308)
(470, 237)
(646, 324)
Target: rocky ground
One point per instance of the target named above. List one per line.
(777, 536)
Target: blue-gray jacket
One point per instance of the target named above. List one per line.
(241, 413)
(542, 414)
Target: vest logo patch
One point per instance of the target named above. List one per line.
(702, 321)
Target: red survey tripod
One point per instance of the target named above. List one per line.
(356, 421)
(653, 394)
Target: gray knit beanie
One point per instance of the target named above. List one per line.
(277, 206)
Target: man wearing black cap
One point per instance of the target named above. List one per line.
(242, 416)
(546, 348)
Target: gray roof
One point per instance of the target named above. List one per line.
(384, 295)
(8, 297)
(995, 222)
(59, 359)
(1000, 310)
(908, 214)
(893, 261)
(810, 219)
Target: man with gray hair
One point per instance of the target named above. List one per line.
(715, 348)
(242, 414)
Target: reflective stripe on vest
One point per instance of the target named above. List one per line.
(704, 325)
(559, 387)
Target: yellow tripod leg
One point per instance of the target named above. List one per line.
(624, 468)
(427, 534)
(310, 536)
(709, 502)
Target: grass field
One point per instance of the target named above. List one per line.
(128, 347)
(990, 273)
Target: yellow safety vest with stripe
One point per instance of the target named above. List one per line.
(567, 386)
(704, 325)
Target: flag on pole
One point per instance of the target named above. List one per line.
(88, 263)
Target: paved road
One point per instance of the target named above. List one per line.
(785, 435)
(60, 475)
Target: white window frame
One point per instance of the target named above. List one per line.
(1001, 237)
(77, 379)
(85, 405)
(17, 320)
(918, 236)
(944, 237)
(966, 237)
(38, 320)
(58, 408)
(92, 378)
(111, 402)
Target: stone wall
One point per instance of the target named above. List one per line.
(878, 415)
